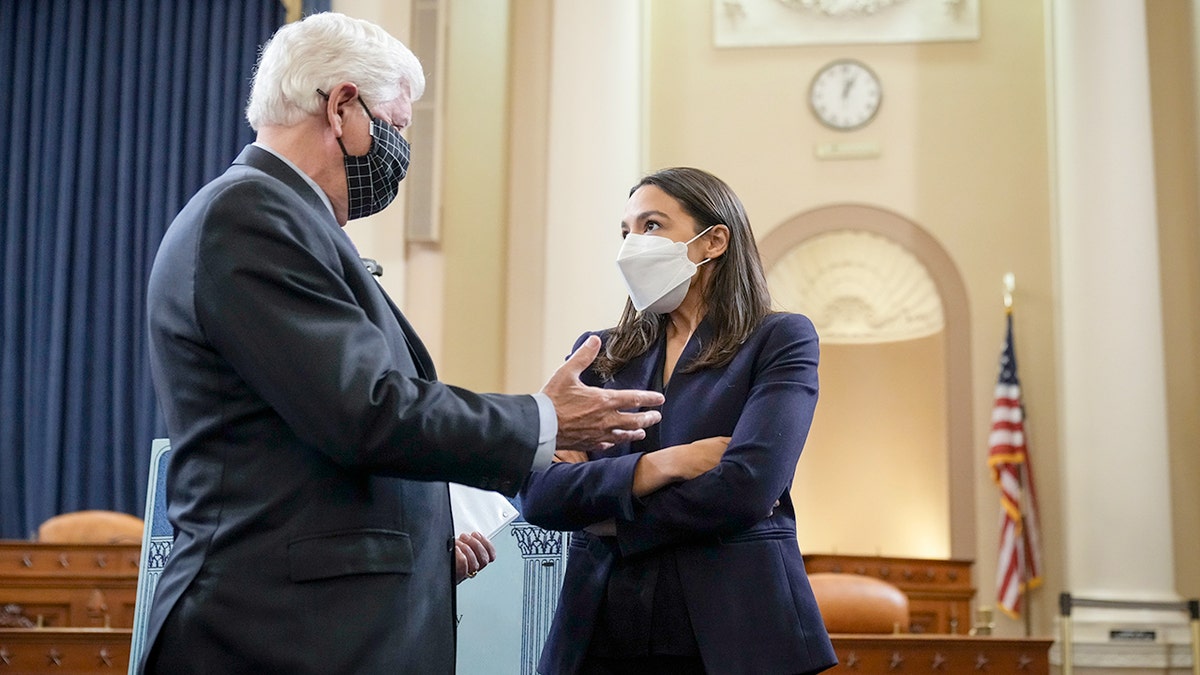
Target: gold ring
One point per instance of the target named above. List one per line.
(471, 575)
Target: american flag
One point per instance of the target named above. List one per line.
(1020, 563)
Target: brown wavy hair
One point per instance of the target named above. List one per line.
(735, 296)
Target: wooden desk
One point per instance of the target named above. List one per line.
(70, 585)
(939, 591)
(907, 653)
(64, 651)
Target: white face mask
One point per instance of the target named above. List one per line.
(656, 271)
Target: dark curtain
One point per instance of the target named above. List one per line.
(113, 114)
(314, 6)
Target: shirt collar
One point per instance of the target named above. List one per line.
(307, 179)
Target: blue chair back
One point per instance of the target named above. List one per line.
(157, 539)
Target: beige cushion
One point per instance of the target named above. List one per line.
(854, 603)
(92, 527)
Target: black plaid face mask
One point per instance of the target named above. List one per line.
(373, 179)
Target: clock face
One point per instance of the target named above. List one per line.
(845, 95)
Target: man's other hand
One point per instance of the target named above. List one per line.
(472, 552)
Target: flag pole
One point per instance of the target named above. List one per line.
(1026, 603)
(1019, 565)
(1010, 284)
(1023, 565)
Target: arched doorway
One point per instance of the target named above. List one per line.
(953, 386)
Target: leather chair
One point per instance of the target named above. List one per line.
(855, 603)
(92, 527)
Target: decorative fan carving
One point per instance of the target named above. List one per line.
(857, 287)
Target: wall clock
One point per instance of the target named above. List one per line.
(845, 94)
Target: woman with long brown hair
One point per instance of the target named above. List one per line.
(684, 556)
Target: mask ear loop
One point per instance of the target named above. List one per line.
(701, 234)
(689, 241)
(339, 138)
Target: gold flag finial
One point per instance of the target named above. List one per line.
(1010, 283)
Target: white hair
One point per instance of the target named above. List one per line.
(319, 52)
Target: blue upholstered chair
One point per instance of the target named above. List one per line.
(157, 539)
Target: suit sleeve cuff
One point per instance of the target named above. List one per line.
(547, 434)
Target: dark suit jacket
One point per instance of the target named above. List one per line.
(741, 572)
(310, 442)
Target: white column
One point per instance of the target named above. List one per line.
(1114, 428)
(572, 169)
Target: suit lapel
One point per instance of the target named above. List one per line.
(268, 163)
(680, 391)
(702, 335)
(420, 355)
(639, 372)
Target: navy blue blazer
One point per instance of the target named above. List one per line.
(740, 568)
(310, 445)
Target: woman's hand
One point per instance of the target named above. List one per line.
(472, 552)
(677, 463)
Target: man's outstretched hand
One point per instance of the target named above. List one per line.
(590, 418)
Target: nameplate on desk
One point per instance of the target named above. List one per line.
(1132, 635)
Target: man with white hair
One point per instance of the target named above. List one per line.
(311, 441)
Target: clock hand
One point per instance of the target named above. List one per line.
(846, 88)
